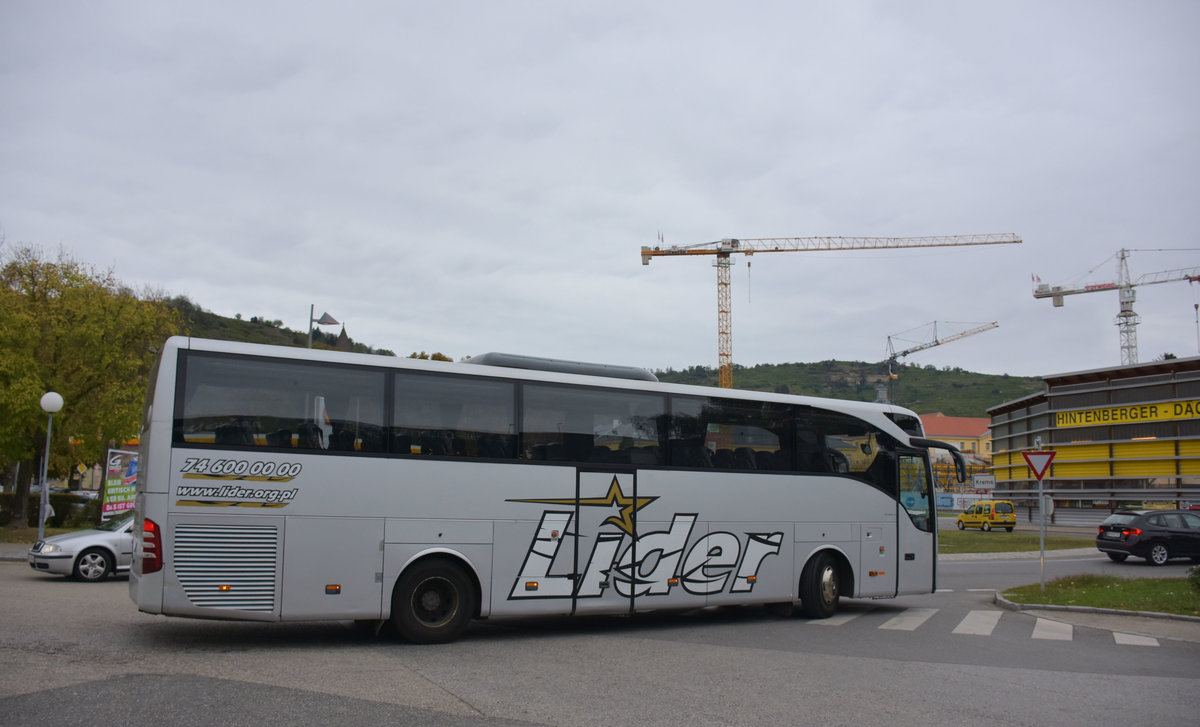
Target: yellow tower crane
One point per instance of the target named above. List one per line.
(725, 249)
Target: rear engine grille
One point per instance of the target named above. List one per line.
(228, 566)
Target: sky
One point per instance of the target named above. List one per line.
(463, 177)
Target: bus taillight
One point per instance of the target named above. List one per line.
(152, 561)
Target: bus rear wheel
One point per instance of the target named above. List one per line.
(819, 587)
(433, 602)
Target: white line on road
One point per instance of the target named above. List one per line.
(978, 623)
(909, 620)
(837, 620)
(1134, 639)
(1053, 630)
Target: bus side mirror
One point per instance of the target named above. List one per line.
(960, 464)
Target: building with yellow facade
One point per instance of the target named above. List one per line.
(1129, 427)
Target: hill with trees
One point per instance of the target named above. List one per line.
(926, 390)
(195, 321)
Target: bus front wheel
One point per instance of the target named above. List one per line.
(433, 602)
(819, 587)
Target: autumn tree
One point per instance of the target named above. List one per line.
(67, 327)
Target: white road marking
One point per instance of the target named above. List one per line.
(837, 620)
(1053, 630)
(978, 623)
(909, 620)
(1134, 639)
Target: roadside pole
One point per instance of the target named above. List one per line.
(1039, 464)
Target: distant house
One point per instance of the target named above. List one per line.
(970, 434)
(343, 342)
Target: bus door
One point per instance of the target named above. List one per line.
(573, 552)
(633, 543)
(606, 554)
(917, 520)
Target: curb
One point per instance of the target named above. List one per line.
(1003, 602)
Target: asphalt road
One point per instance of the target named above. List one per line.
(76, 653)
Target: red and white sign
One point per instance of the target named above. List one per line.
(1039, 462)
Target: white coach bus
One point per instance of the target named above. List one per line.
(286, 484)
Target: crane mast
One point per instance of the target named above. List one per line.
(723, 251)
(1127, 320)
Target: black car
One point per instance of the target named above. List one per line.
(1156, 535)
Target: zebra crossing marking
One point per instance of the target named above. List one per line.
(978, 623)
(1134, 639)
(1053, 630)
(837, 620)
(909, 620)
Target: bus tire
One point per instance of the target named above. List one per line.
(433, 602)
(819, 586)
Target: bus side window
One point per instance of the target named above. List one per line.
(731, 434)
(855, 448)
(453, 416)
(571, 424)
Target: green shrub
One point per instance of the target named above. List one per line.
(70, 510)
(1193, 576)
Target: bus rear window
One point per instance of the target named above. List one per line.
(254, 402)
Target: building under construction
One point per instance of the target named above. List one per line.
(1130, 428)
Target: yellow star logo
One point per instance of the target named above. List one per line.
(615, 497)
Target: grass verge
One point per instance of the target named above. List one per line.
(998, 541)
(1159, 595)
(28, 536)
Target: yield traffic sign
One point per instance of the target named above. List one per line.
(1039, 462)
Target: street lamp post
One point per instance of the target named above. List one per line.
(324, 320)
(52, 402)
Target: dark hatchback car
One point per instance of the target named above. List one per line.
(1156, 535)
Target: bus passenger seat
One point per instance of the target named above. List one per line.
(743, 458)
(342, 440)
(644, 455)
(236, 432)
(402, 444)
(690, 453)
